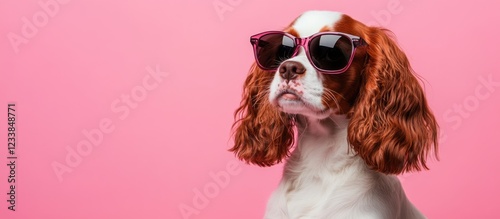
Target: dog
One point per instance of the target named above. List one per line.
(340, 103)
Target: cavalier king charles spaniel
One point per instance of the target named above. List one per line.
(344, 97)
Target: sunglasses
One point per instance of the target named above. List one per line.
(329, 52)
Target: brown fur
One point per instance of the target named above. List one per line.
(263, 134)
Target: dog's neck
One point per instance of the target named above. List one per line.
(322, 148)
(324, 128)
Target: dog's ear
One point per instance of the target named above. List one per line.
(391, 126)
(263, 135)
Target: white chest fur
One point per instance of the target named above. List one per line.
(324, 179)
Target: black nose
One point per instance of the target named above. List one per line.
(291, 69)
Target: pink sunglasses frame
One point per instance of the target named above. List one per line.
(356, 41)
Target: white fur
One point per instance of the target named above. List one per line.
(323, 178)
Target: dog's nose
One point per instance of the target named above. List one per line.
(291, 69)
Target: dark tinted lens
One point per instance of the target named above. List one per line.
(330, 52)
(272, 49)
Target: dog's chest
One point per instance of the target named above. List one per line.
(322, 179)
(314, 195)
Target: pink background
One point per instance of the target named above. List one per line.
(73, 71)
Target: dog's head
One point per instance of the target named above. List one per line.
(327, 63)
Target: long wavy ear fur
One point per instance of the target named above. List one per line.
(263, 135)
(391, 126)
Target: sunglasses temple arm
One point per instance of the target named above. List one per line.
(359, 42)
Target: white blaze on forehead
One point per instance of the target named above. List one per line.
(311, 22)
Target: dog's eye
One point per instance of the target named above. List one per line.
(331, 52)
